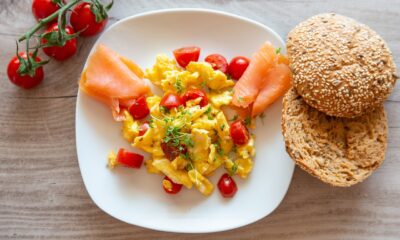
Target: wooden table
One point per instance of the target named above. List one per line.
(42, 195)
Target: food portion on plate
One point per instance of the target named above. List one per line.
(333, 122)
(201, 122)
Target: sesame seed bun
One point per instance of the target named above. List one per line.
(340, 66)
(338, 151)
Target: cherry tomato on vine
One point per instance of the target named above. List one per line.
(237, 66)
(44, 8)
(227, 186)
(218, 62)
(24, 80)
(83, 19)
(239, 132)
(186, 55)
(61, 53)
(170, 187)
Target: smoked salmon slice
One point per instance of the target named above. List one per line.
(112, 79)
(277, 82)
(248, 86)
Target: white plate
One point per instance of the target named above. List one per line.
(136, 197)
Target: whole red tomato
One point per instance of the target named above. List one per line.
(24, 81)
(63, 52)
(237, 66)
(44, 8)
(82, 18)
(227, 186)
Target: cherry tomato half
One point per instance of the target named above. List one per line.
(82, 18)
(239, 132)
(64, 52)
(170, 187)
(237, 66)
(44, 8)
(186, 55)
(172, 152)
(227, 186)
(139, 108)
(194, 94)
(143, 128)
(25, 81)
(218, 62)
(171, 100)
(129, 159)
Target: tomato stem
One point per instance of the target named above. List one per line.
(43, 22)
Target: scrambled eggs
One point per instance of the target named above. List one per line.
(200, 135)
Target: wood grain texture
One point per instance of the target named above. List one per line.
(42, 195)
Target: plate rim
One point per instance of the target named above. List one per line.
(174, 10)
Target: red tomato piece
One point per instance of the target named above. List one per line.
(139, 108)
(63, 52)
(172, 152)
(237, 67)
(171, 100)
(239, 132)
(24, 81)
(143, 128)
(170, 187)
(218, 62)
(227, 186)
(129, 159)
(44, 8)
(194, 94)
(186, 55)
(82, 18)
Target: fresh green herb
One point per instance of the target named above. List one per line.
(220, 151)
(164, 109)
(190, 166)
(174, 137)
(151, 121)
(188, 141)
(185, 155)
(241, 99)
(234, 118)
(247, 121)
(203, 84)
(222, 127)
(208, 113)
(234, 168)
(278, 50)
(178, 84)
